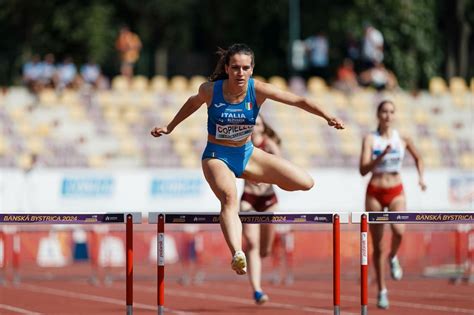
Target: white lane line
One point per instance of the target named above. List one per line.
(352, 298)
(95, 298)
(233, 299)
(431, 294)
(17, 310)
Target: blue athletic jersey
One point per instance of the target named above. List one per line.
(233, 122)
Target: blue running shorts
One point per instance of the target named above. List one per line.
(236, 158)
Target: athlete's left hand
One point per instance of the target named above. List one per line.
(335, 122)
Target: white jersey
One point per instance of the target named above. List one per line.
(392, 161)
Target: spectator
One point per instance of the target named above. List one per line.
(91, 73)
(346, 77)
(67, 74)
(351, 48)
(372, 48)
(32, 74)
(128, 45)
(317, 48)
(48, 71)
(379, 77)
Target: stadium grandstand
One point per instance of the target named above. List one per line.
(110, 128)
(94, 207)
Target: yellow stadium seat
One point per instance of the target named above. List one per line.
(4, 147)
(457, 85)
(279, 82)
(140, 83)
(432, 160)
(178, 83)
(420, 117)
(259, 78)
(69, 97)
(35, 145)
(128, 147)
(190, 161)
(18, 114)
(131, 115)
(159, 83)
(437, 86)
(43, 129)
(444, 132)
(317, 85)
(24, 161)
(120, 83)
(48, 97)
(195, 82)
(77, 112)
(466, 160)
(96, 161)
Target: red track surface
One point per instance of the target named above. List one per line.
(407, 297)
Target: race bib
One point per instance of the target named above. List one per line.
(233, 132)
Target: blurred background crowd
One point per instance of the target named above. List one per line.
(83, 82)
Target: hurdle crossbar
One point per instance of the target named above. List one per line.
(129, 218)
(161, 218)
(366, 218)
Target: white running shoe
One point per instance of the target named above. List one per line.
(395, 269)
(382, 300)
(239, 263)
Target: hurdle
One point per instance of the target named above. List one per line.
(161, 218)
(129, 218)
(366, 218)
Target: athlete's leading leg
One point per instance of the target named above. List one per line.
(223, 183)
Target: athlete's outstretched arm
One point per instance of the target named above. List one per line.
(265, 90)
(418, 162)
(366, 163)
(189, 107)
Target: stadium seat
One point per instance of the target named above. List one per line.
(259, 78)
(466, 161)
(96, 161)
(35, 145)
(120, 83)
(24, 161)
(457, 85)
(178, 83)
(195, 82)
(69, 97)
(48, 97)
(317, 85)
(279, 82)
(437, 86)
(159, 83)
(77, 112)
(444, 133)
(140, 83)
(4, 146)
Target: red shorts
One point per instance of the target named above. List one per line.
(384, 195)
(260, 203)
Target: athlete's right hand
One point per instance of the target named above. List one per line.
(159, 131)
(387, 149)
